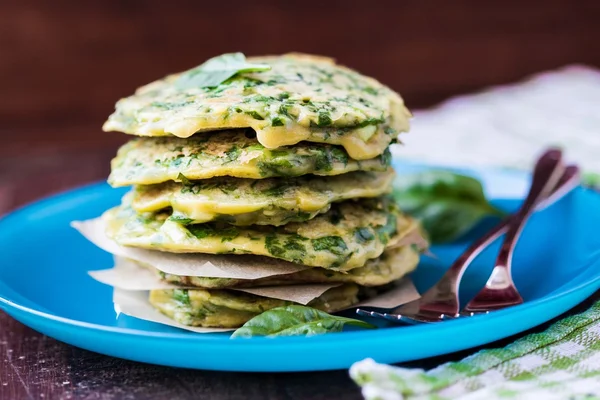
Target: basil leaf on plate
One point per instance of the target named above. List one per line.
(295, 320)
(217, 70)
(448, 204)
(591, 179)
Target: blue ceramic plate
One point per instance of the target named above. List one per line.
(44, 284)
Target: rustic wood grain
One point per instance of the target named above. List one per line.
(33, 366)
(65, 62)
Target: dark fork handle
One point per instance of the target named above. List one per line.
(442, 298)
(500, 291)
(569, 180)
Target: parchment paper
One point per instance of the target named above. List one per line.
(127, 275)
(404, 291)
(131, 281)
(135, 304)
(205, 265)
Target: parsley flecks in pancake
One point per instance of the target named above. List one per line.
(235, 153)
(318, 242)
(273, 201)
(231, 309)
(392, 265)
(300, 98)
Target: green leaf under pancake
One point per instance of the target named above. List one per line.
(591, 179)
(217, 70)
(447, 204)
(295, 320)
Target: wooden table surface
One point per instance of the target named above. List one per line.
(33, 366)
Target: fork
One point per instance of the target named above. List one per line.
(441, 301)
(500, 291)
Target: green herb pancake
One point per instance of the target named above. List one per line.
(243, 202)
(294, 98)
(392, 265)
(231, 309)
(233, 153)
(343, 238)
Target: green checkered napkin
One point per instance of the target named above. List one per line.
(561, 363)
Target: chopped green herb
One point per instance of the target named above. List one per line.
(255, 115)
(250, 83)
(333, 244)
(170, 106)
(273, 246)
(180, 219)
(386, 231)
(302, 216)
(182, 296)
(364, 235)
(181, 177)
(259, 99)
(386, 157)
(323, 161)
(370, 121)
(202, 231)
(291, 249)
(277, 121)
(275, 167)
(339, 155)
(277, 190)
(228, 234)
(233, 153)
(324, 119)
(284, 109)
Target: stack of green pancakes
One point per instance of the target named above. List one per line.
(287, 157)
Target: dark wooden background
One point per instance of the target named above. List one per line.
(64, 63)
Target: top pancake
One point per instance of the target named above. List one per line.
(301, 98)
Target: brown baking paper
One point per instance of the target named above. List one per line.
(128, 275)
(135, 302)
(197, 264)
(132, 298)
(404, 291)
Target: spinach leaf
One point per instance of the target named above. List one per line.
(448, 204)
(217, 70)
(333, 244)
(180, 219)
(295, 320)
(184, 179)
(591, 179)
(182, 296)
